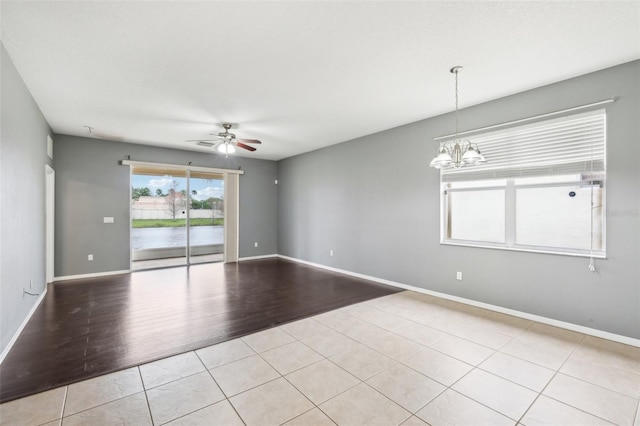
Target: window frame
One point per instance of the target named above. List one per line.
(584, 166)
(510, 187)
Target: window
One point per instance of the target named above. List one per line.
(542, 189)
(476, 213)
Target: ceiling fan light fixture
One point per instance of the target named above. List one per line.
(226, 142)
(226, 148)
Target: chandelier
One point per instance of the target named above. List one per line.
(458, 153)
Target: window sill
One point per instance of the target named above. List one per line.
(526, 250)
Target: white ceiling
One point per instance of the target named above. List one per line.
(298, 75)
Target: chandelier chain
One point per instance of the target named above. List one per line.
(456, 73)
(456, 154)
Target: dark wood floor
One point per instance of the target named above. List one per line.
(85, 328)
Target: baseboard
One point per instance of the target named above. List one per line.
(23, 325)
(264, 256)
(93, 275)
(544, 320)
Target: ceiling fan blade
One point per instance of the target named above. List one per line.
(247, 147)
(248, 140)
(202, 140)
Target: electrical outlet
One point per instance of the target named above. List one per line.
(459, 276)
(255, 244)
(330, 252)
(90, 257)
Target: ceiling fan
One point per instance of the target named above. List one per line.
(228, 141)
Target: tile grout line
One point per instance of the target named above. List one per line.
(283, 376)
(450, 387)
(101, 404)
(360, 381)
(247, 390)
(324, 359)
(64, 402)
(549, 382)
(174, 380)
(104, 403)
(509, 380)
(146, 397)
(429, 347)
(591, 384)
(417, 322)
(449, 334)
(474, 367)
(411, 414)
(539, 393)
(400, 362)
(226, 398)
(471, 399)
(294, 386)
(597, 384)
(381, 353)
(226, 363)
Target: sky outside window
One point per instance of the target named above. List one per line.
(205, 188)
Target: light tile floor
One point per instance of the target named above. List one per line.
(406, 358)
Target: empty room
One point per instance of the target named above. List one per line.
(320, 213)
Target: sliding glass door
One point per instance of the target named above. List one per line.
(206, 217)
(182, 215)
(159, 203)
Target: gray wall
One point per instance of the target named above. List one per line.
(90, 184)
(23, 156)
(378, 210)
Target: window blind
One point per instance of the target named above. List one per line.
(566, 145)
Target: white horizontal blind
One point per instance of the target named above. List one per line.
(566, 145)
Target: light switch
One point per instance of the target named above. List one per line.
(108, 219)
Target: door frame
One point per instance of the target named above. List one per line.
(50, 200)
(231, 210)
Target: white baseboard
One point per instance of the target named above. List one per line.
(93, 275)
(264, 256)
(544, 320)
(23, 325)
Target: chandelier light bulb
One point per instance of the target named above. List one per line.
(226, 148)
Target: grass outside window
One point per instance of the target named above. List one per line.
(174, 223)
